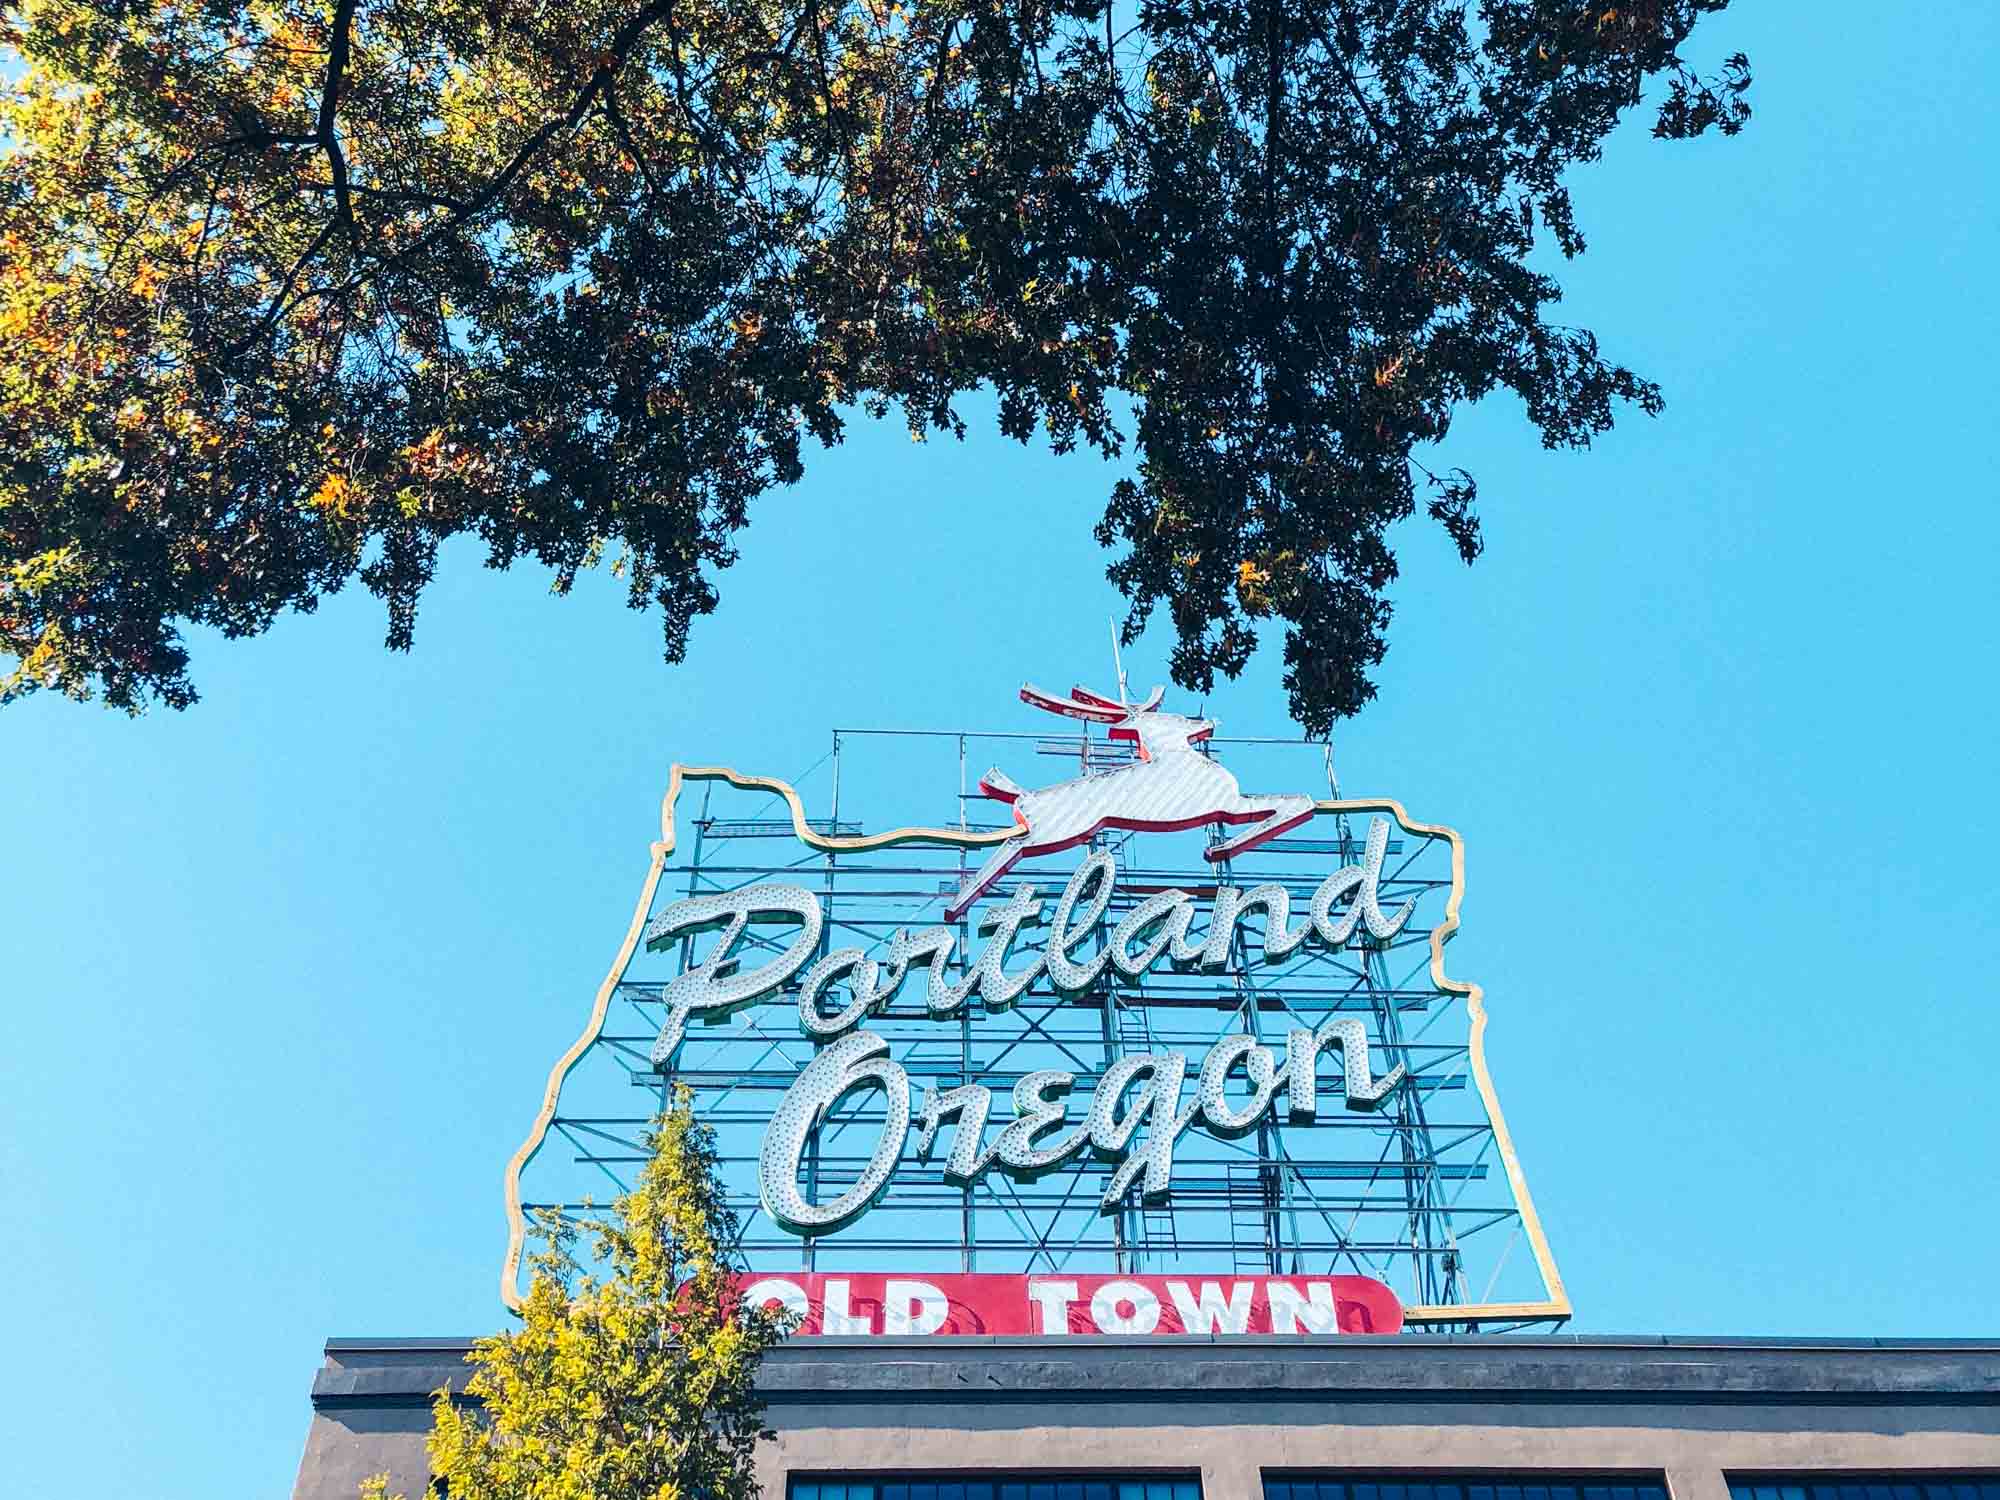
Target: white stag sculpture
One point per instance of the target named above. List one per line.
(1171, 786)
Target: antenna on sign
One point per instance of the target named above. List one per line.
(1333, 786)
(1118, 666)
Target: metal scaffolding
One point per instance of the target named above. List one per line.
(1412, 1193)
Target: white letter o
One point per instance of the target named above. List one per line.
(776, 1289)
(1104, 1312)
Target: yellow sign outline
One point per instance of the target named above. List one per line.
(1555, 1301)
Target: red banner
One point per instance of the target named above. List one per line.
(880, 1303)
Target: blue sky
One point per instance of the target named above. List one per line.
(284, 973)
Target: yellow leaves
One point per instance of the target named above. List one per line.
(42, 664)
(422, 457)
(1262, 586)
(16, 318)
(42, 570)
(1389, 369)
(429, 465)
(146, 280)
(748, 325)
(336, 494)
(629, 1375)
(1250, 581)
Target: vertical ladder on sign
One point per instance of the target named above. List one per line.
(1162, 1239)
(1250, 1189)
(1135, 1031)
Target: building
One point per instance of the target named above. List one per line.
(1194, 1290)
(1410, 1417)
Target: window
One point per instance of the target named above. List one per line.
(1864, 1487)
(1470, 1487)
(1000, 1487)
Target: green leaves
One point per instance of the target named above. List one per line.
(636, 1379)
(293, 292)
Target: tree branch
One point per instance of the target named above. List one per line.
(622, 43)
(624, 133)
(328, 132)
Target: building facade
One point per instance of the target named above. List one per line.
(1125, 1136)
(1216, 1417)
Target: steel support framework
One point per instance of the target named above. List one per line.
(1411, 1193)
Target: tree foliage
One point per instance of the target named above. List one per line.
(634, 1385)
(296, 290)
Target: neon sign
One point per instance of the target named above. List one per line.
(1139, 1090)
(1156, 1039)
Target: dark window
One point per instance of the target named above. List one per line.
(1481, 1487)
(1864, 1487)
(999, 1487)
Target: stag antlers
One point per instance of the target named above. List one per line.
(1084, 704)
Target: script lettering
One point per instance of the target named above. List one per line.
(968, 1104)
(1260, 1066)
(849, 1063)
(1069, 924)
(1143, 1089)
(709, 989)
(1041, 1103)
(1164, 1123)
(1170, 911)
(1302, 1050)
(1135, 1115)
